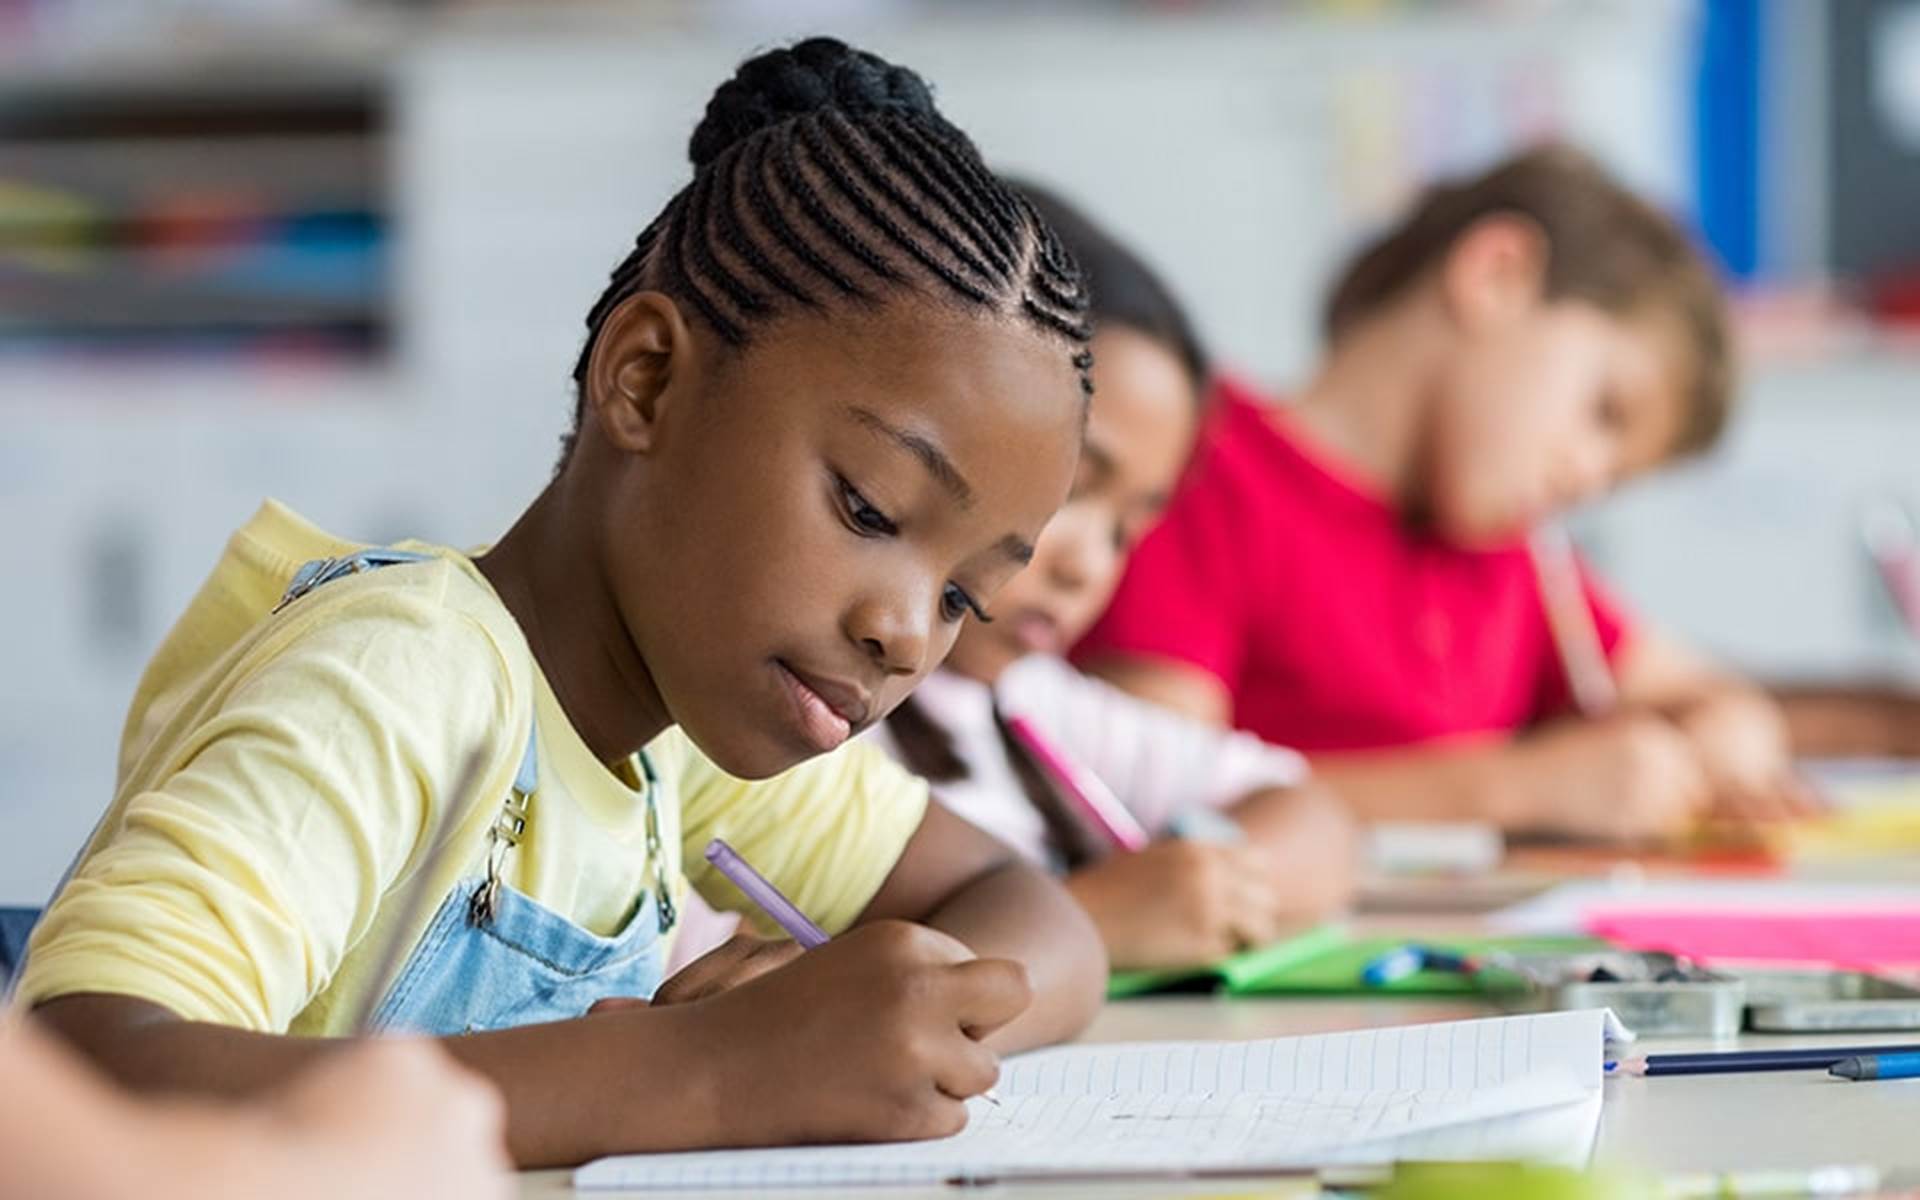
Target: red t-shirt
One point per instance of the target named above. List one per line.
(1333, 625)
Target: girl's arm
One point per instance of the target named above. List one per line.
(1159, 763)
(1162, 763)
(1310, 841)
(1178, 903)
(957, 879)
(1179, 686)
(873, 1037)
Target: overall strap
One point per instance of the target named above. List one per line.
(510, 825)
(325, 570)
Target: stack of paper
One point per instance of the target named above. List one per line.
(1510, 1087)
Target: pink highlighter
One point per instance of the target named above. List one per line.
(1082, 788)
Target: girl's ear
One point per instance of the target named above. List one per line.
(641, 345)
(1494, 271)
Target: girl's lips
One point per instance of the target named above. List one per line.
(822, 724)
(1036, 632)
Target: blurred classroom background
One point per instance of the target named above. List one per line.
(339, 253)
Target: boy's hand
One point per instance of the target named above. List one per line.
(1634, 777)
(1182, 904)
(874, 1036)
(1741, 738)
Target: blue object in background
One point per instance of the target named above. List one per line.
(1727, 131)
(1447, 960)
(15, 925)
(1393, 966)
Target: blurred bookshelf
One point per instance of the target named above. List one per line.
(195, 210)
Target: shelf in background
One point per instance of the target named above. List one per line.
(198, 211)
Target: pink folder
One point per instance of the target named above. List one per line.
(1863, 939)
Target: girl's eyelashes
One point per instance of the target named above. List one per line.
(866, 520)
(955, 603)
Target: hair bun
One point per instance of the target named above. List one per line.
(808, 76)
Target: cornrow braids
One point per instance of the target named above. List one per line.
(1124, 292)
(825, 176)
(986, 234)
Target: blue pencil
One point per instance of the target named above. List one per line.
(1731, 1061)
(1877, 1066)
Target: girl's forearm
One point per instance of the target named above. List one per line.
(1014, 911)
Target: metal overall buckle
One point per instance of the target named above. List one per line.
(508, 828)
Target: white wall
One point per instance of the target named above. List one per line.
(1755, 553)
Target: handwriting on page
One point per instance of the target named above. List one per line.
(1469, 1088)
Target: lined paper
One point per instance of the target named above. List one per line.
(1503, 1087)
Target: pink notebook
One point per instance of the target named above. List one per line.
(1864, 940)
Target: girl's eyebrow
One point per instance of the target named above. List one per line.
(1016, 548)
(931, 456)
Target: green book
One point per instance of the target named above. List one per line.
(1327, 962)
(1241, 971)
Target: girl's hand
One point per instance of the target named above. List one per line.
(874, 1036)
(1183, 904)
(1312, 844)
(1634, 777)
(740, 958)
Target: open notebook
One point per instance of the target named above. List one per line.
(1508, 1087)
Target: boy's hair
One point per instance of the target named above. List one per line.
(1605, 246)
(825, 176)
(1123, 291)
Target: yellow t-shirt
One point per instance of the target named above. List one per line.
(278, 776)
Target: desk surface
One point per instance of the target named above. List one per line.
(1777, 1119)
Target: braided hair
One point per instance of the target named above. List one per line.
(825, 176)
(1125, 293)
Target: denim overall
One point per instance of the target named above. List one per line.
(493, 957)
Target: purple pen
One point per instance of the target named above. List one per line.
(728, 862)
